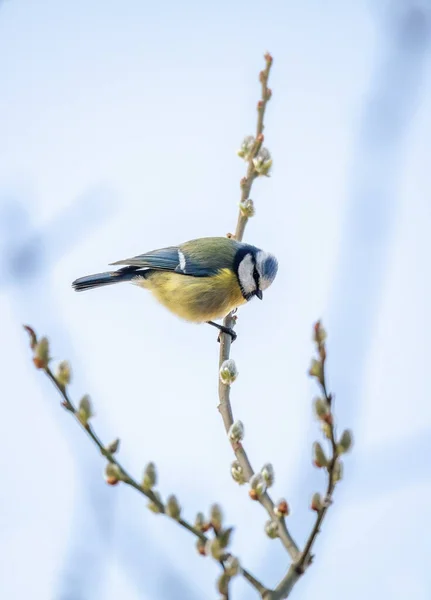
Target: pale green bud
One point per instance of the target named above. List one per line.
(63, 374)
(154, 506)
(262, 162)
(346, 441)
(85, 410)
(113, 446)
(319, 457)
(321, 408)
(319, 333)
(200, 547)
(315, 369)
(246, 147)
(214, 548)
(149, 479)
(247, 208)
(281, 509)
(236, 432)
(232, 566)
(267, 472)
(113, 474)
(316, 502)
(41, 356)
(228, 371)
(271, 529)
(326, 429)
(216, 516)
(200, 522)
(338, 471)
(258, 484)
(237, 472)
(173, 508)
(223, 584)
(224, 537)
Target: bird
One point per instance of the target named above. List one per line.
(201, 280)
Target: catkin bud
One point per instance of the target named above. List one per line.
(112, 474)
(200, 522)
(41, 354)
(326, 429)
(271, 529)
(338, 471)
(85, 410)
(246, 147)
(315, 369)
(316, 502)
(63, 374)
(223, 584)
(156, 507)
(216, 516)
(113, 446)
(237, 472)
(319, 457)
(346, 442)
(321, 408)
(262, 162)
(149, 479)
(214, 548)
(319, 333)
(173, 508)
(247, 208)
(267, 472)
(224, 537)
(200, 547)
(228, 371)
(281, 509)
(236, 432)
(232, 566)
(257, 486)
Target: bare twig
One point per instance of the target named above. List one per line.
(225, 407)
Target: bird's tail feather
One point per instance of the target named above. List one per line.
(108, 278)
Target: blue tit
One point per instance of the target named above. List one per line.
(199, 281)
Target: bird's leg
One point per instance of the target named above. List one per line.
(224, 329)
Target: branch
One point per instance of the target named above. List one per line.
(115, 472)
(259, 163)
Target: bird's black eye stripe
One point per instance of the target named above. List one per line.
(256, 277)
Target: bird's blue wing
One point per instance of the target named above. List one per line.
(170, 259)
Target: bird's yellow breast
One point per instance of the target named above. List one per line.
(196, 299)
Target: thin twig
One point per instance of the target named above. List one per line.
(125, 476)
(225, 407)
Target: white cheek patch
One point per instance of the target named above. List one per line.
(245, 274)
(182, 260)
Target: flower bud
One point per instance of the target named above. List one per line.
(346, 441)
(267, 473)
(149, 479)
(281, 509)
(223, 584)
(246, 147)
(338, 471)
(319, 333)
(85, 410)
(271, 529)
(214, 548)
(319, 457)
(112, 474)
(321, 408)
(326, 429)
(63, 374)
(228, 371)
(113, 446)
(224, 537)
(316, 369)
(199, 523)
(156, 507)
(236, 432)
(258, 484)
(232, 566)
(316, 502)
(173, 508)
(262, 162)
(41, 354)
(247, 208)
(200, 547)
(216, 516)
(237, 472)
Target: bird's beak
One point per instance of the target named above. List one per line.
(259, 294)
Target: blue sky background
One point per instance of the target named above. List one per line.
(119, 124)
